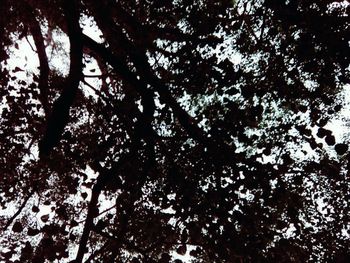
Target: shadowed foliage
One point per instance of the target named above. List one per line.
(179, 131)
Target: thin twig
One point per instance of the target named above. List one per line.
(93, 76)
(18, 211)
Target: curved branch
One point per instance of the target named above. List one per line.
(40, 49)
(60, 111)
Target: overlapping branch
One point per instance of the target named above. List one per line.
(188, 123)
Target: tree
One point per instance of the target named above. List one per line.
(204, 131)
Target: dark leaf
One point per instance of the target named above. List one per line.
(45, 218)
(84, 195)
(330, 139)
(181, 250)
(35, 209)
(33, 231)
(341, 148)
(17, 227)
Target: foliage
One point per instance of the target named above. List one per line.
(196, 128)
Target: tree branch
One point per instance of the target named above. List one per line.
(60, 112)
(188, 123)
(18, 211)
(89, 222)
(43, 61)
(119, 42)
(103, 178)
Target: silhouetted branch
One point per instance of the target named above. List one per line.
(188, 123)
(19, 210)
(104, 177)
(92, 213)
(93, 76)
(60, 112)
(40, 49)
(118, 41)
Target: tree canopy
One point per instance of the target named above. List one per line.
(179, 131)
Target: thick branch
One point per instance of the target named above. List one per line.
(89, 222)
(60, 112)
(105, 176)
